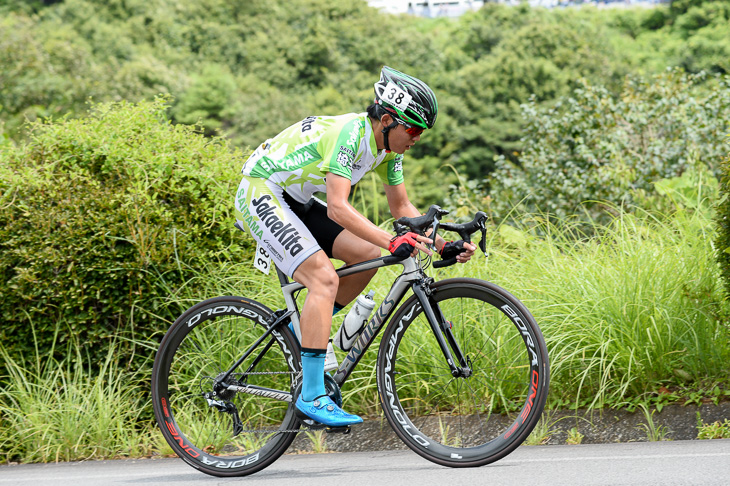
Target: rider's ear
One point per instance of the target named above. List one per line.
(386, 120)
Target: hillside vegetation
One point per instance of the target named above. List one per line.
(596, 140)
(249, 68)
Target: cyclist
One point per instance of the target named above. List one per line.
(330, 154)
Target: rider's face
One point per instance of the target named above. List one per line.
(401, 140)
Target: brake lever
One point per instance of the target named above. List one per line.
(436, 224)
(483, 228)
(400, 229)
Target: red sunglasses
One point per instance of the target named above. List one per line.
(414, 131)
(410, 129)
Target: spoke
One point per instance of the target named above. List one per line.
(461, 412)
(224, 330)
(188, 396)
(434, 409)
(466, 395)
(476, 409)
(221, 349)
(472, 330)
(423, 348)
(205, 425)
(489, 340)
(446, 369)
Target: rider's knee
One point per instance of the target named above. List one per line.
(327, 281)
(318, 275)
(370, 252)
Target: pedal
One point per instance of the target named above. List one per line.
(314, 425)
(308, 422)
(311, 424)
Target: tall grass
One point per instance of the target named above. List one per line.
(60, 411)
(625, 309)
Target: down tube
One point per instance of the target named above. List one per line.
(367, 336)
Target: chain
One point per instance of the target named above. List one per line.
(267, 373)
(273, 431)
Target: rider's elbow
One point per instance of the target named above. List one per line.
(336, 212)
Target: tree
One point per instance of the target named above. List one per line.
(593, 148)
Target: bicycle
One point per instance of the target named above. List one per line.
(462, 369)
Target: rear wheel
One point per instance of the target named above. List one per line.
(231, 430)
(494, 402)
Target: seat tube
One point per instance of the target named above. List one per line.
(288, 288)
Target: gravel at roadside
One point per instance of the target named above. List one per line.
(679, 422)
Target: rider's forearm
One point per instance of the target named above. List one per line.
(404, 209)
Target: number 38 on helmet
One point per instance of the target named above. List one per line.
(406, 98)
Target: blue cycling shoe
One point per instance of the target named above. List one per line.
(323, 410)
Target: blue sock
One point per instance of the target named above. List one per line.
(312, 373)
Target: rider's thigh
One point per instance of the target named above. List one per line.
(261, 209)
(353, 249)
(318, 274)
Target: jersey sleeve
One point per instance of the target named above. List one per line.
(339, 147)
(391, 173)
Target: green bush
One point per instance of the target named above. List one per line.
(597, 147)
(251, 68)
(102, 218)
(722, 240)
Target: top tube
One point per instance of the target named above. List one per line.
(346, 270)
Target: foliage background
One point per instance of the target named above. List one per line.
(598, 135)
(249, 68)
(593, 150)
(102, 218)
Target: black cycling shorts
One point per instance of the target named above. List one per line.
(314, 216)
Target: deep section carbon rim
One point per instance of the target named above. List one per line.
(239, 428)
(484, 414)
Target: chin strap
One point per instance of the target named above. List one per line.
(385, 135)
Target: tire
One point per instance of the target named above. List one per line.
(203, 343)
(466, 421)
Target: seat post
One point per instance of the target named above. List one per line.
(283, 279)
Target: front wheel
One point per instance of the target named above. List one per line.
(239, 425)
(488, 408)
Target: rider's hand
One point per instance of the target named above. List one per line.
(407, 245)
(459, 249)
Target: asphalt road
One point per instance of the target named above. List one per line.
(649, 463)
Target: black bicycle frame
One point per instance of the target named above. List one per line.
(412, 277)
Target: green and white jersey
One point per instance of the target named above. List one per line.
(299, 158)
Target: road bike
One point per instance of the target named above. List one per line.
(462, 368)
